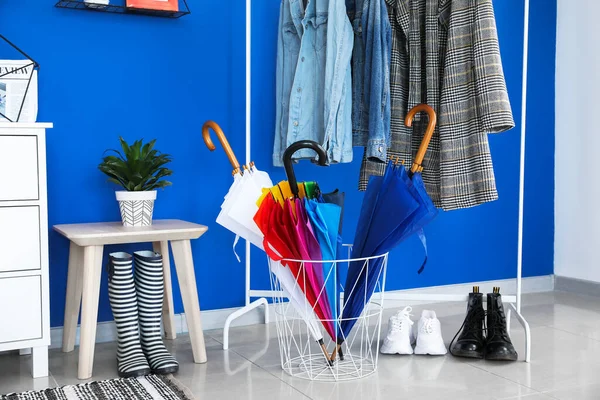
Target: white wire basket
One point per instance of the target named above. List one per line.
(299, 328)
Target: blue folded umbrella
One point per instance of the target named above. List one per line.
(325, 220)
(395, 207)
(424, 214)
(337, 197)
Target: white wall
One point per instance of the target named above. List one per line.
(577, 190)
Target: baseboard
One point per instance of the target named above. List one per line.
(215, 319)
(579, 286)
(536, 284)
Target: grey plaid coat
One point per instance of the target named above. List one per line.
(454, 65)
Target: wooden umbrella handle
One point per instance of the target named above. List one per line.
(417, 164)
(209, 143)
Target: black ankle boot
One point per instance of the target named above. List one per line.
(498, 347)
(471, 342)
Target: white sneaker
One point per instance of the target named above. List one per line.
(400, 336)
(429, 335)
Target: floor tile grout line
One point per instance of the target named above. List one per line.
(504, 378)
(549, 395)
(53, 378)
(273, 375)
(573, 333)
(263, 369)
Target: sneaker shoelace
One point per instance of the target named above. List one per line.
(401, 319)
(428, 326)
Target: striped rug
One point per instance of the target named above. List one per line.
(151, 387)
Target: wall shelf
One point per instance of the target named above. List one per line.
(121, 9)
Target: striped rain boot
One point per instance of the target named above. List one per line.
(123, 301)
(150, 286)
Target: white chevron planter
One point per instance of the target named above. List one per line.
(136, 207)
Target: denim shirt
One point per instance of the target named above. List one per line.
(314, 79)
(371, 76)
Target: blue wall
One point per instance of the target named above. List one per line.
(106, 75)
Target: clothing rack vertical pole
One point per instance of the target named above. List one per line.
(517, 309)
(248, 293)
(248, 123)
(522, 161)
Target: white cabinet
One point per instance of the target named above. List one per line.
(25, 314)
(20, 238)
(24, 283)
(18, 155)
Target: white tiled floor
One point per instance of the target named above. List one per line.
(565, 364)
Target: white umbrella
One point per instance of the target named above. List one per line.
(237, 215)
(243, 207)
(262, 177)
(290, 287)
(239, 207)
(238, 210)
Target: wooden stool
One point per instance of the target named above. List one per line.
(85, 270)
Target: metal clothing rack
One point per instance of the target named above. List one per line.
(260, 295)
(514, 301)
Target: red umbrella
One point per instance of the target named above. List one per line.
(277, 227)
(280, 244)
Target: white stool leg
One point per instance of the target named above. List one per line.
(184, 264)
(92, 272)
(73, 299)
(168, 307)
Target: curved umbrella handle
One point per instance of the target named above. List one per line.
(287, 160)
(417, 167)
(208, 141)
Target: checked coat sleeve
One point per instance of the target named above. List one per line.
(493, 106)
(474, 102)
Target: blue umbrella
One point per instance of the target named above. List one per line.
(395, 207)
(337, 197)
(325, 220)
(424, 214)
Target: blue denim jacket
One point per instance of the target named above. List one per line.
(371, 76)
(314, 80)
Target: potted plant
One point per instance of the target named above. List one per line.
(140, 170)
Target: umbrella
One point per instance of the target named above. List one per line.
(300, 303)
(287, 160)
(260, 176)
(337, 197)
(281, 242)
(310, 250)
(394, 207)
(290, 236)
(325, 220)
(426, 211)
(239, 207)
(314, 271)
(278, 245)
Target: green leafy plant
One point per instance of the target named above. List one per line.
(139, 168)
